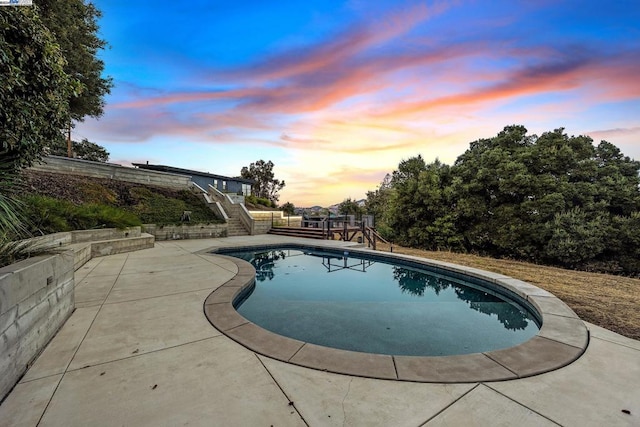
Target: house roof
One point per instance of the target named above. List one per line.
(180, 171)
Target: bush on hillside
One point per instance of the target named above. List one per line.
(260, 201)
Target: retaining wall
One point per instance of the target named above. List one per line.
(67, 165)
(118, 246)
(179, 232)
(36, 298)
(98, 242)
(79, 236)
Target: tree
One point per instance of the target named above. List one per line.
(266, 185)
(407, 170)
(377, 201)
(554, 198)
(84, 150)
(575, 238)
(618, 179)
(288, 208)
(349, 207)
(623, 243)
(378, 205)
(87, 150)
(34, 89)
(490, 183)
(420, 208)
(74, 25)
(33, 108)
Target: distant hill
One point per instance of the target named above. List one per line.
(319, 209)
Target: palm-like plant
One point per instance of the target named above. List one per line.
(12, 228)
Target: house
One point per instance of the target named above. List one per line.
(224, 184)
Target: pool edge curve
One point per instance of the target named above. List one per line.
(562, 339)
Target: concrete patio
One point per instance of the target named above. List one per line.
(139, 351)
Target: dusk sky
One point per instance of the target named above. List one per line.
(337, 93)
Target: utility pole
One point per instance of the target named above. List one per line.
(69, 153)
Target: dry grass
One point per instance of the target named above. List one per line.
(612, 302)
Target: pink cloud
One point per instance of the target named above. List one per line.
(615, 82)
(614, 132)
(184, 97)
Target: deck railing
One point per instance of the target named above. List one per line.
(346, 227)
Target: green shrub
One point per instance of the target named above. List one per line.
(260, 201)
(97, 215)
(47, 215)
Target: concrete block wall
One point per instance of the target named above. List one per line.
(83, 253)
(178, 232)
(262, 227)
(81, 236)
(118, 246)
(58, 164)
(36, 298)
(263, 220)
(52, 240)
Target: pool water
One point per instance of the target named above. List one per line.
(353, 303)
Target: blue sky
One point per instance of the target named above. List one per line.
(337, 93)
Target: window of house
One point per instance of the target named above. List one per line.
(224, 185)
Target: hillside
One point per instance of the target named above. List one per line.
(316, 209)
(150, 204)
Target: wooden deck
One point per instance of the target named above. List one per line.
(338, 233)
(345, 233)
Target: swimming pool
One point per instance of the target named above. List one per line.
(354, 302)
(562, 337)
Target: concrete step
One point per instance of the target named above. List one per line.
(309, 233)
(235, 227)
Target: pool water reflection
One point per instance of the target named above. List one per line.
(354, 303)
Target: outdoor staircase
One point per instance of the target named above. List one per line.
(236, 228)
(232, 212)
